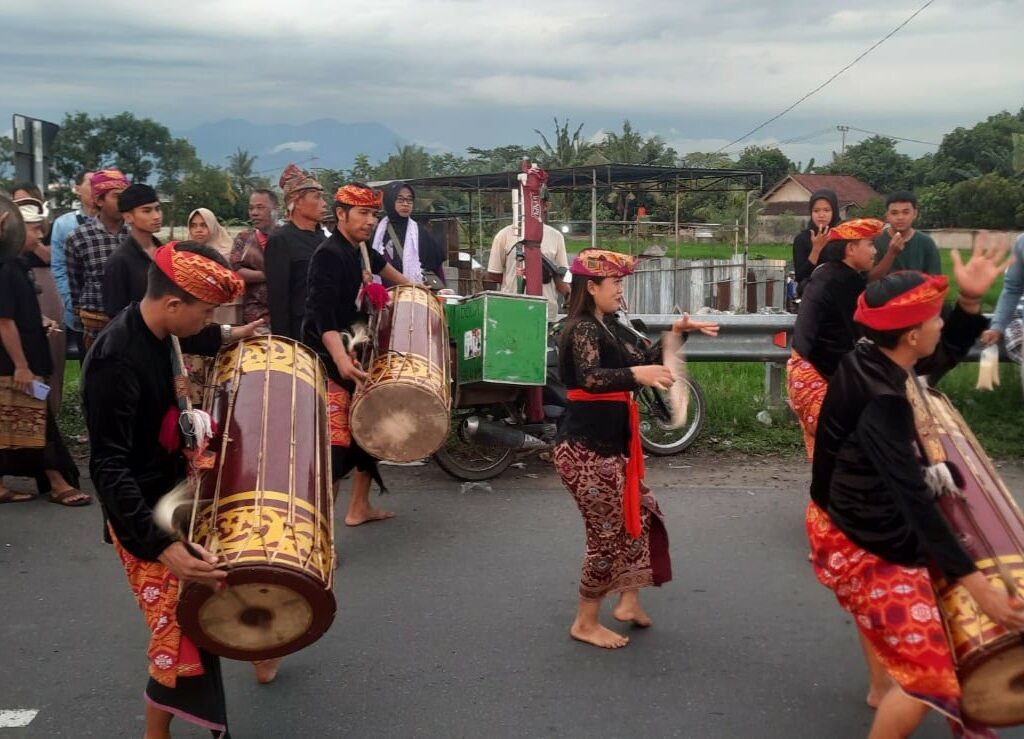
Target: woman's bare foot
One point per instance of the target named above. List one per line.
(266, 670)
(368, 516)
(629, 610)
(598, 635)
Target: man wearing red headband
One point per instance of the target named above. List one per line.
(127, 390)
(873, 524)
(338, 270)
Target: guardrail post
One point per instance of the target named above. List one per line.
(774, 379)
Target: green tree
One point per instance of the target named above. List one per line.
(362, 170)
(769, 160)
(707, 160)
(933, 206)
(989, 201)
(176, 159)
(408, 162)
(876, 162)
(501, 159)
(987, 147)
(631, 147)
(568, 150)
(242, 170)
(205, 187)
(6, 161)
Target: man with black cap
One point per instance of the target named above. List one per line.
(124, 279)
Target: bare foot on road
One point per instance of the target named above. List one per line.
(373, 514)
(632, 614)
(599, 636)
(266, 670)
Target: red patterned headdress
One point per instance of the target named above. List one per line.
(200, 277)
(857, 228)
(295, 180)
(602, 263)
(910, 308)
(106, 180)
(359, 197)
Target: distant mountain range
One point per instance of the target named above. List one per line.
(333, 143)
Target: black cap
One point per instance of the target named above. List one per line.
(136, 195)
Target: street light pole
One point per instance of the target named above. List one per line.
(746, 220)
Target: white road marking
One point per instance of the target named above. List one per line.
(16, 717)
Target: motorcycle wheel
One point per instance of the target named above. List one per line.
(656, 436)
(470, 462)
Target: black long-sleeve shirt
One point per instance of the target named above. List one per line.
(286, 262)
(125, 275)
(127, 388)
(866, 472)
(594, 358)
(335, 277)
(824, 330)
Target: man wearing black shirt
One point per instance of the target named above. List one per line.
(337, 273)
(873, 524)
(289, 249)
(124, 277)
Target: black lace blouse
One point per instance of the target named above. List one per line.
(595, 358)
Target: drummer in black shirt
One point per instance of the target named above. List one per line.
(339, 270)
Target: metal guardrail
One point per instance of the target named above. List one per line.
(748, 338)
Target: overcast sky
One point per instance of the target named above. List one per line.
(455, 73)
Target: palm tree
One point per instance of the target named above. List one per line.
(241, 170)
(568, 150)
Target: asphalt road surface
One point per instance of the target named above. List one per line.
(453, 622)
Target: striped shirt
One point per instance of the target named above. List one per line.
(86, 251)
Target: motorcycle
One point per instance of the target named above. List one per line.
(486, 438)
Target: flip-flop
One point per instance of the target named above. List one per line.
(63, 498)
(14, 496)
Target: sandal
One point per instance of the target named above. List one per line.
(72, 497)
(14, 496)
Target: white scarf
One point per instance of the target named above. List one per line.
(411, 267)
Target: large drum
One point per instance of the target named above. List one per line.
(402, 412)
(989, 659)
(266, 507)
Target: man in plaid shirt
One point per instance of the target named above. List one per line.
(88, 247)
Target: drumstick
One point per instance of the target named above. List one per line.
(679, 395)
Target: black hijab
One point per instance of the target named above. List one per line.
(397, 222)
(432, 256)
(833, 200)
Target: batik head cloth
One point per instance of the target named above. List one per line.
(107, 180)
(857, 228)
(359, 196)
(200, 277)
(602, 263)
(295, 180)
(908, 309)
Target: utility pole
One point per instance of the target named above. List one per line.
(843, 130)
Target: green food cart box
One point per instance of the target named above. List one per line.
(500, 338)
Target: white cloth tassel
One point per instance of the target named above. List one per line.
(940, 480)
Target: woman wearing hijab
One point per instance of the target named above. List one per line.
(807, 246)
(204, 227)
(408, 248)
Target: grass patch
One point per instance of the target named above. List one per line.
(71, 420)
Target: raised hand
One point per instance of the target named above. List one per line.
(685, 324)
(988, 261)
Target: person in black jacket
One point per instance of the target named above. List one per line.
(808, 244)
(873, 523)
(125, 274)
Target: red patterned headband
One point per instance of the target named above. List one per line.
(359, 197)
(913, 307)
(200, 277)
(602, 263)
(858, 228)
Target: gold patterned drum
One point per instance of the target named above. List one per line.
(402, 412)
(265, 508)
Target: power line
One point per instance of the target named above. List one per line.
(830, 79)
(889, 136)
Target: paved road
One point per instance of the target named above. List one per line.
(453, 623)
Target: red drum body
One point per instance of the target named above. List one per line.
(989, 659)
(266, 507)
(402, 412)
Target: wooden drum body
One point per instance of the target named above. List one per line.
(402, 413)
(989, 659)
(266, 508)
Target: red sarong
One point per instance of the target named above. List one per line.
(171, 654)
(634, 461)
(807, 390)
(895, 610)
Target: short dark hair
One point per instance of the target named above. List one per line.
(31, 188)
(901, 196)
(269, 193)
(159, 285)
(80, 177)
(880, 292)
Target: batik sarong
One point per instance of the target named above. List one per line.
(184, 681)
(806, 393)
(895, 610)
(614, 560)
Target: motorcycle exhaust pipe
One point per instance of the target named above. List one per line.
(479, 431)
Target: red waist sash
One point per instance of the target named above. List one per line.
(635, 461)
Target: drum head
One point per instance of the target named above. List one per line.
(993, 688)
(400, 422)
(265, 612)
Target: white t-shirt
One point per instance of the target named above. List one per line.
(503, 261)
